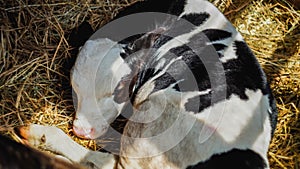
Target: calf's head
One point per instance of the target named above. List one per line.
(97, 70)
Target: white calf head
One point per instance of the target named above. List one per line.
(94, 77)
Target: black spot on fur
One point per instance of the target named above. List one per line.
(245, 72)
(164, 81)
(234, 159)
(216, 34)
(176, 7)
(240, 74)
(163, 39)
(195, 18)
(219, 46)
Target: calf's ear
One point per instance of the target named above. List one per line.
(124, 90)
(80, 34)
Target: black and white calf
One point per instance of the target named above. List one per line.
(193, 92)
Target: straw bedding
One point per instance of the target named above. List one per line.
(36, 57)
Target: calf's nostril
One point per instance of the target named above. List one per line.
(83, 132)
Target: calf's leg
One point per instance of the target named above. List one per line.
(54, 139)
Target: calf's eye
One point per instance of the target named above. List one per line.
(43, 139)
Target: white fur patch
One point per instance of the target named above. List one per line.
(240, 123)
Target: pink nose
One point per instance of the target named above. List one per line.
(82, 132)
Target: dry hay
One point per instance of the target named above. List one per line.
(35, 61)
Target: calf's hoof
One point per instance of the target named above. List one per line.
(21, 133)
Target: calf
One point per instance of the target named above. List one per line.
(192, 90)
